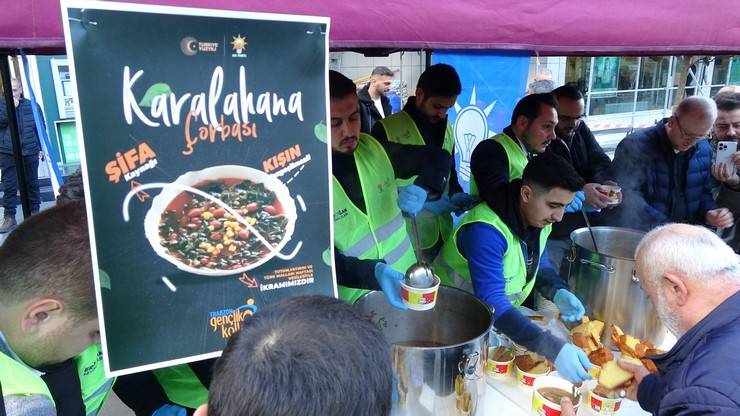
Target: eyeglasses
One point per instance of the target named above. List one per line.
(563, 117)
(688, 136)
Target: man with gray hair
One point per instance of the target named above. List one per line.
(693, 279)
(374, 105)
(665, 171)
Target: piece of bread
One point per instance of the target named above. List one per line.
(613, 376)
(600, 356)
(649, 364)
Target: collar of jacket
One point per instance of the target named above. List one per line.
(364, 94)
(722, 316)
(505, 203)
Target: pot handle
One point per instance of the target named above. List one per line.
(466, 366)
(602, 267)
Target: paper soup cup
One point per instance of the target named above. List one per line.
(603, 405)
(498, 369)
(527, 379)
(543, 407)
(610, 191)
(420, 299)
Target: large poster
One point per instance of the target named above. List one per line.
(492, 84)
(206, 163)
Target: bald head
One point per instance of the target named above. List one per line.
(728, 89)
(689, 250)
(700, 108)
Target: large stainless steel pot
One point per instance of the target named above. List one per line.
(607, 285)
(439, 355)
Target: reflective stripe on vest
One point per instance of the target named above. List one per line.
(95, 386)
(453, 270)
(514, 154)
(400, 128)
(17, 379)
(182, 386)
(381, 233)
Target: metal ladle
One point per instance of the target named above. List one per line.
(590, 230)
(420, 273)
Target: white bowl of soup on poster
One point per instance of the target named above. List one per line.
(200, 236)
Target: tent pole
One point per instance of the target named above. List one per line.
(14, 134)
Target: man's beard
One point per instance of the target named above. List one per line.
(668, 317)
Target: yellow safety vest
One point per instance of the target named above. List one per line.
(19, 380)
(452, 267)
(380, 232)
(400, 128)
(514, 153)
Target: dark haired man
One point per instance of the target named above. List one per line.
(307, 355)
(575, 142)
(374, 105)
(372, 249)
(727, 129)
(423, 121)
(50, 357)
(497, 251)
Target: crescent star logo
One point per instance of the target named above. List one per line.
(189, 45)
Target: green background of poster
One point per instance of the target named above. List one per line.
(145, 322)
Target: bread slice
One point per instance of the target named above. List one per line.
(613, 376)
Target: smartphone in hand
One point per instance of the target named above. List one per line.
(725, 150)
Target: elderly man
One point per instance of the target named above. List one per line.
(693, 280)
(727, 129)
(665, 171)
(374, 105)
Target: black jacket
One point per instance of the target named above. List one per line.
(369, 114)
(30, 144)
(431, 164)
(588, 158)
(432, 133)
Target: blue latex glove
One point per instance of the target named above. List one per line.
(462, 202)
(440, 206)
(571, 308)
(170, 410)
(577, 202)
(573, 364)
(411, 199)
(390, 281)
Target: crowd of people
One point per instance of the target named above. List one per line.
(531, 185)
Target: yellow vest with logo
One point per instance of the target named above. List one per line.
(19, 380)
(400, 128)
(379, 232)
(514, 153)
(452, 267)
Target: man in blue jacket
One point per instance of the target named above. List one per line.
(665, 171)
(497, 251)
(31, 149)
(693, 279)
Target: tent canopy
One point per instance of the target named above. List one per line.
(548, 27)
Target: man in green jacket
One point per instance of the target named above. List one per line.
(372, 249)
(497, 251)
(50, 356)
(423, 121)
